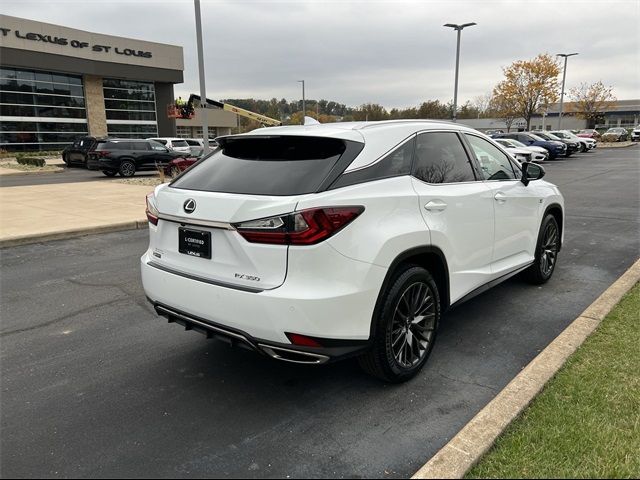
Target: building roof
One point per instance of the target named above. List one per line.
(618, 107)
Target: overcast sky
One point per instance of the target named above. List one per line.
(389, 52)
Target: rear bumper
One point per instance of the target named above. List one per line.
(333, 302)
(335, 349)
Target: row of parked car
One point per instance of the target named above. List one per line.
(538, 146)
(115, 156)
(123, 156)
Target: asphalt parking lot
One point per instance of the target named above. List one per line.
(93, 384)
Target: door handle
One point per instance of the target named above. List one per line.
(435, 206)
(500, 197)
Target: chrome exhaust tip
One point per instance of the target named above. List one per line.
(293, 356)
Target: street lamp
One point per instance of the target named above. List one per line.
(564, 76)
(457, 28)
(304, 105)
(203, 90)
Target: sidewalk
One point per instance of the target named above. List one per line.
(47, 212)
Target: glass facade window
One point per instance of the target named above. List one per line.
(40, 110)
(130, 108)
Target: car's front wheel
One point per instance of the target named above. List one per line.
(547, 249)
(405, 324)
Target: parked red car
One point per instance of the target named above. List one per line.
(179, 165)
(589, 133)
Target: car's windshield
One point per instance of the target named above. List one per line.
(537, 138)
(561, 135)
(517, 144)
(179, 143)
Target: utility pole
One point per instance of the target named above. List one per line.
(564, 77)
(203, 89)
(457, 28)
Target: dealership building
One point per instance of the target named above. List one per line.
(58, 83)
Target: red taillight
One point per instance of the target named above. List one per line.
(306, 227)
(302, 341)
(152, 211)
(102, 153)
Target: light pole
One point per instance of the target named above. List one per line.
(203, 89)
(304, 104)
(564, 77)
(457, 28)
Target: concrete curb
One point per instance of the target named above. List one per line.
(617, 146)
(27, 172)
(73, 233)
(464, 450)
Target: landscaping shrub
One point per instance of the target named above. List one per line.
(33, 161)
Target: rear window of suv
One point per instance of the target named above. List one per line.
(179, 143)
(273, 165)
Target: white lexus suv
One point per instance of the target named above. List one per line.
(315, 243)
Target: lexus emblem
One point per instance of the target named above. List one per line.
(190, 205)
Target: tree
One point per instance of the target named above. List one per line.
(434, 109)
(370, 112)
(590, 101)
(481, 103)
(505, 108)
(528, 84)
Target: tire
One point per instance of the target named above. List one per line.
(583, 148)
(411, 289)
(110, 173)
(547, 248)
(127, 168)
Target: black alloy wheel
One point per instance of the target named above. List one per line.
(405, 321)
(547, 249)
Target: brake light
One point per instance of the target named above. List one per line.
(102, 153)
(152, 210)
(306, 227)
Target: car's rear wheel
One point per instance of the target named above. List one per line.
(127, 168)
(547, 249)
(110, 173)
(405, 326)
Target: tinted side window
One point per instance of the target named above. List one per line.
(441, 158)
(394, 164)
(494, 164)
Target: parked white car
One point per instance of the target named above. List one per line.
(586, 144)
(176, 144)
(535, 154)
(635, 134)
(196, 145)
(314, 243)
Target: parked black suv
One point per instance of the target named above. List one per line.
(76, 154)
(127, 156)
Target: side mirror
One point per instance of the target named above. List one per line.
(530, 172)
